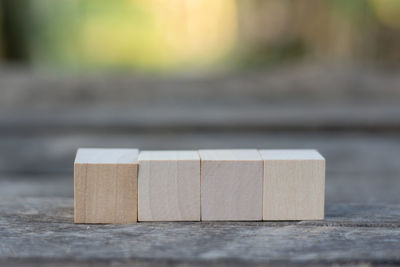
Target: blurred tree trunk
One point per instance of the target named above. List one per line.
(1, 32)
(15, 18)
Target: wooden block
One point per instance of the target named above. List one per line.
(294, 185)
(231, 185)
(169, 186)
(105, 186)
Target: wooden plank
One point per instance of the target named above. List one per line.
(169, 186)
(294, 185)
(105, 186)
(297, 117)
(41, 230)
(310, 83)
(231, 185)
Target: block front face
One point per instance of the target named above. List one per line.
(106, 192)
(231, 190)
(169, 186)
(294, 189)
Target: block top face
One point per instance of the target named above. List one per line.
(106, 156)
(167, 155)
(230, 155)
(291, 154)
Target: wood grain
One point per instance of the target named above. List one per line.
(231, 185)
(39, 231)
(105, 186)
(169, 186)
(294, 185)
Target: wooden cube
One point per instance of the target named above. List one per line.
(169, 186)
(294, 185)
(231, 185)
(105, 186)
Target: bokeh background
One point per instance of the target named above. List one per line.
(188, 74)
(182, 35)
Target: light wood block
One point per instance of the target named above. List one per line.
(105, 186)
(231, 185)
(169, 186)
(294, 185)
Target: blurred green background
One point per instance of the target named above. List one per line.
(188, 35)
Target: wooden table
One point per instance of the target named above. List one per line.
(41, 231)
(356, 126)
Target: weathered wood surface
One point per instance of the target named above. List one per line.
(34, 230)
(352, 116)
(303, 83)
(304, 97)
(161, 117)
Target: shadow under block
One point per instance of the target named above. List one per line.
(105, 186)
(169, 186)
(231, 185)
(294, 185)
